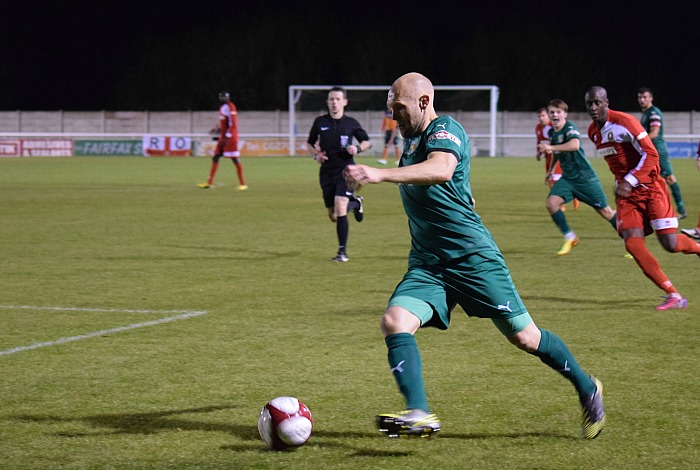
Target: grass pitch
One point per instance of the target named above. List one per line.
(144, 322)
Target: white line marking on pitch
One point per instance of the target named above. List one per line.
(87, 309)
(68, 339)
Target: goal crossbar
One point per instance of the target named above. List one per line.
(296, 90)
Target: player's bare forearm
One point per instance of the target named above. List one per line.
(436, 170)
(571, 146)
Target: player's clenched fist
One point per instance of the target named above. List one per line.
(357, 176)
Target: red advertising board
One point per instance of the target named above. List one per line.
(10, 147)
(36, 148)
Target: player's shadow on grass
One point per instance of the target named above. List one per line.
(509, 435)
(171, 420)
(611, 302)
(214, 253)
(147, 423)
(229, 252)
(346, 441)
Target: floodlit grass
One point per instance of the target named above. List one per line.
(96, 244)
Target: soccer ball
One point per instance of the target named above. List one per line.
(284, 423)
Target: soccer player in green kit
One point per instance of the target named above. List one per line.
(578, 178)
(453, 260)
(653, 122)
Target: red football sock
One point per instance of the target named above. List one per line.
(650, 267)
(685, 245)
(239, 170)
(212, 172)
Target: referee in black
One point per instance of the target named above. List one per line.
(331, 145)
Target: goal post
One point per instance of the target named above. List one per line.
(475, 106)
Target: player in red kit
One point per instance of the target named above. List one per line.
(643, 203)
(227, 146)
(542, 130)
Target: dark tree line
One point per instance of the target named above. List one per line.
(177, 56)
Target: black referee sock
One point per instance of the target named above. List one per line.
(341, 226)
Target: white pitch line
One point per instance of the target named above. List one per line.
(87, 309)
(118, 329)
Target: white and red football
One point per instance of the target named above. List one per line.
(284, 423)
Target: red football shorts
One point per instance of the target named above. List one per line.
(230, 149)
(648, 207)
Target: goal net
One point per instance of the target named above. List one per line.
(474, 106)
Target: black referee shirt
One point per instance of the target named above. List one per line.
(334, 136)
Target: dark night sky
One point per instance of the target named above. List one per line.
(175, 55)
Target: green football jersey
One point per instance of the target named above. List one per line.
(574, 165)
(651, 116)
(444, 227)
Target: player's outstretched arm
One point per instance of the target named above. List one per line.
(438, 168)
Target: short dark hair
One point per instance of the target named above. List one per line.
(645, 90)
(340, 89)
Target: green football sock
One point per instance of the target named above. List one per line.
(676, 192)
(406, 365)
(613, 221)
(553, 352)
(560, 220)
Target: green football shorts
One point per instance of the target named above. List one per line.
(480, 283)
(665, 165)
(588, 191)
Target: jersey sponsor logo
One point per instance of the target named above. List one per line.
(325, 128)
(441, 135)
(441, 125)
(606, 151)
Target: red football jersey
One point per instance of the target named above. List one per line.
(542, 133)
(627, 148)
(228, 135)
(228, 121)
